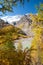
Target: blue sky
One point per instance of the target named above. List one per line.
(29, 7)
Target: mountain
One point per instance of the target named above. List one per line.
(7, 29)
(24, 23)
(3, 23)
(17, 19)
(20, 21)
(11, 19)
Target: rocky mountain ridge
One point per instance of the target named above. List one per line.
(20, 21)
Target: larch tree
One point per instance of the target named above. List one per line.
(37, 41)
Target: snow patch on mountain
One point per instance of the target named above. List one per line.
(11, 19)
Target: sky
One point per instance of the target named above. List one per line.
(29, 7)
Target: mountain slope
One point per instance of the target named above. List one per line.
(10, 32)
(3, 23)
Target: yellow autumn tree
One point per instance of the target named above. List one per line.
(37, 42)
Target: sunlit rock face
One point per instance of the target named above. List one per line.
(24, 22)
(26, 43)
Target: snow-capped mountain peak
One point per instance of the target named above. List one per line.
(10, 19)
